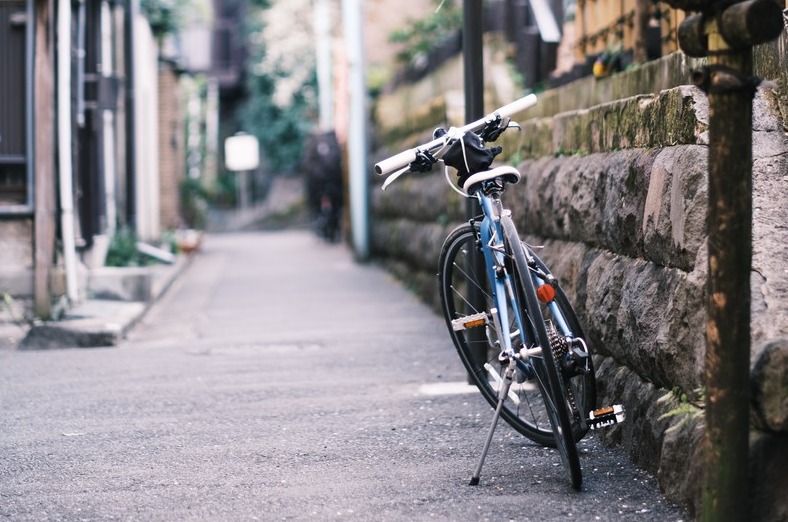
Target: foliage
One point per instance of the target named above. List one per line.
(689, 409)
(10, 305)
(421, 36)
(164, 16)
(194, 203)
(123, 249)
(280, 128)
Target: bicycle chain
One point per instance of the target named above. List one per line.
(560, 348)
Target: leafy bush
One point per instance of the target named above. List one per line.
(194, 203)
(421, 36)
(164, 16)
(123, 249)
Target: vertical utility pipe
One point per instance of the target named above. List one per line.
(473, 73)
(64, 139)
(30, 157)
(725, 495)
(322, 20)
(108, 127)
(473, 61)
(357, 132)
(129, 22)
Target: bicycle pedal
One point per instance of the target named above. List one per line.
(469, 321)
(604, 417)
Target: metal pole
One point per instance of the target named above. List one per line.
(357, 132)
(472, 47)
(64, 141)
(473, 61)
(132, 8)
(725, 494)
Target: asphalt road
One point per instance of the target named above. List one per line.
(277, 379)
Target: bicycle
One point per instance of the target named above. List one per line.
(513, 326)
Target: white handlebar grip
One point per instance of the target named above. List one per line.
(395, 162)
(513, 108)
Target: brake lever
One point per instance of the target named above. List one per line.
(394, 176)
(493, 130)
(423, 162)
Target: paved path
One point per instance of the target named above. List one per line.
(277, 379)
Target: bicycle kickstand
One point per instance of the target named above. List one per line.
(503, 391)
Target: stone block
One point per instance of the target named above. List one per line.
(769, 392)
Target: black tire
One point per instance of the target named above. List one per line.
(549, 374)
(580, 388)
(457, 276)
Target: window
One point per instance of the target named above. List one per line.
(15, 182)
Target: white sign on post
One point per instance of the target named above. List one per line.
(241, 152)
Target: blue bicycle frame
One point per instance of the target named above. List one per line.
(492, 246)
(501, 284)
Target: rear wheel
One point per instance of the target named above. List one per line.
(572, 350)
(549, 370)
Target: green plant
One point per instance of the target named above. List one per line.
(421, 36)
(164, 16)
(169, 241)
(123, 249)
(280, 126)
(688, 408)
(10, 306)
(194, 203)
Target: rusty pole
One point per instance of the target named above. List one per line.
(726, 32)
(725, 492)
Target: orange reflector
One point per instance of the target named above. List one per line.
(545, 293)
(474, 324)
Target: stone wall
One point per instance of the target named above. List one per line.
(616, 194)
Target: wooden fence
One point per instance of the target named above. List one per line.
(645, 28)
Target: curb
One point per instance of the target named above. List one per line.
(96, 323)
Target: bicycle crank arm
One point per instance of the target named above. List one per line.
(604, 417)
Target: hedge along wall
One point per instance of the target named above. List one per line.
(617, 195)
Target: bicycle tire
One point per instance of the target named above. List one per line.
(582, 386)
(553, 387)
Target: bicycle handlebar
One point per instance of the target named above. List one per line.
(403, 159)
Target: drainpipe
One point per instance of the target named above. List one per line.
(30, 121)
(357, 132)
(64, 138)
(132, 8)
